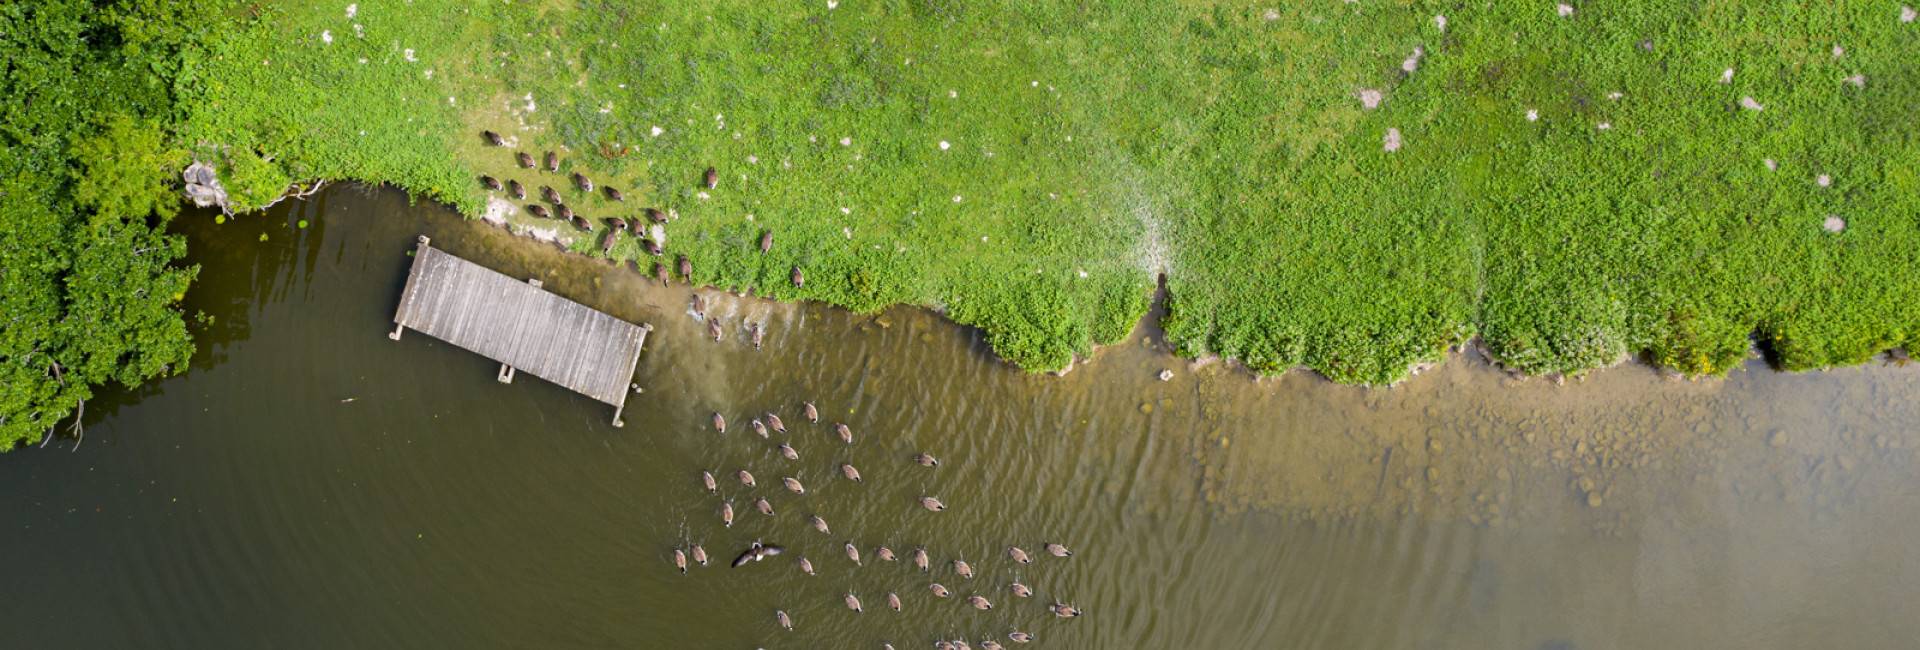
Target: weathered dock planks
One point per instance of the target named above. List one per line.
(524, 327)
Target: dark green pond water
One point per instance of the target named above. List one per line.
(312, 484)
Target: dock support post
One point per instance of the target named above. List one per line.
(506, 374)
(617, 422)
(397, 329)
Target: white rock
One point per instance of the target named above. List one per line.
(1271, 15)
(1166, 375)
(1615, 95)
(846, 142)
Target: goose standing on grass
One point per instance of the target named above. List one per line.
(932, 504)
(607, 240)
(547, 194)
(774, 421)
(518, 191)
(566, 212)
(655, 215)
(719, 423)
(525, 159)
(494, 138)
(1057, 550)
(660, 273)
(613, 193)
(710, 178)
(813, 414)
(539, 211)
(766, 241)
(581, 181)
(799, 279)
(746, 478)
(489, 182)
(846, 432)
(553, 162)
(847, 470)
(615, 223)
(653, 247)
(686, 268)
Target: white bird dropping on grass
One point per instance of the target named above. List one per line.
(832, 4)
(1907, 14)
(1823, 180)
(1564, 9)
(944, 145)
(326, 36)
(1771, 165)
(1726, 76)
(1751, 104)
(1533, 115)
(656, 131)
(1391, 142)
(1834, 223)
(1440, 22)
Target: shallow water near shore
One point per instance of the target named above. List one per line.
(310, 483)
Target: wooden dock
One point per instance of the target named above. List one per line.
(521, 325)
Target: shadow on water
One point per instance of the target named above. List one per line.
(311, 483)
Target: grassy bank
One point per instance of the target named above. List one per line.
(1573, 188)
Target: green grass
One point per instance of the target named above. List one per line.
(1091, 143)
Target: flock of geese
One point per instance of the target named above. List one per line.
(767, 426)
(561, 210)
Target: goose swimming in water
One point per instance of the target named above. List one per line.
(813, 414)
(1017, 636)
(706, 478)
(494, 138)
(757, 552)
(699, 555)
(699, 305)
(853, 553)
(761, 504)
(980, 602)
(965, 570)
(1057, 550)
(846, 433)
(746, 477)
(785, 622)
(920, 558)
(788, 452)
(755, 333)
(680, 560)
(713, 329)
(884, 553)
(847, 470)
(933, 504)
(1021, 590)
(660, 272)
(759, 427)
(939, 590)
(820, 524)
(806, 566)
(774, 421)
(794, 485)
(853, 603)
(1064, 610)
(990, 644)
(719, 423)
(1018, 555)
(893, 601)
(518, 191)
(726, 514)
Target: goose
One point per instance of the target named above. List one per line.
(766, 241)
(719, 423)
(607, 241)
(787, 451)
(615, 223)
(846, 433)
(965, 570)
(553, 162)
(1058, 550)
(699, 305)
(755, 334)
(706, 478)
(939, 590)
(853, 553)
(660, 273)
(746, 477)
(990, 644)
(1018, 555)
(774, 421)
(884, 553)
(853, 603)
(793, 484)
(653, 247)
(785, 622)
(686, 268)
(680, 560)
(813, 414)
(539, 211)
(713, 329)
(933, 504)
(759, 427)
(726, 514)
(490, 182)
(1064, 610)
(980, 602)
(847, 470)
(526, 161)
(550, 196)
(580, 180)
(633, 224)
(613, 193)
(699, 555)
(518, 191)
(1017, 636)
(799, 279)
(578, 221)
(1021, 590)
(893, 601)
(806, 566)
(920, 558)
(656, 216)
(755, 553)
(494, 138)
(762, 505)
(566, 212)
(926, 460)
(711, 178)
(820, 524)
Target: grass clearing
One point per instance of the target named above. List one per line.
(1574, 189)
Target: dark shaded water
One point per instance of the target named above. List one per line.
(311, 484)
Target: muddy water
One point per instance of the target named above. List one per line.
(311, 484)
